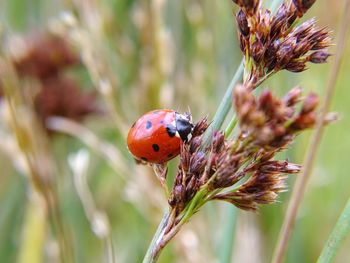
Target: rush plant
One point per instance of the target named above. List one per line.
(240, 166)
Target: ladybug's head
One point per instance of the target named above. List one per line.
(184, 126)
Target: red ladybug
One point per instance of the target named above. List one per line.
(157, 135)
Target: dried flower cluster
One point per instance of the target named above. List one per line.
(267, 126)
(63, 97)
(46, 55)
(272, 123)
(243, 169)
(45, 58)
(272, 42)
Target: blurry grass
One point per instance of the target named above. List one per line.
(12, 207)
(340, 231)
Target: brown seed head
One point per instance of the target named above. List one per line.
(46, 55)
(63, 97)
(257, 51)
(282, 21)
(303, 6)
(274, 44)
(319, 57)
(296, 66)
(250, 7)
(242, 23)
(262, 187)
(263, 25)
(197, 163)
(292, 97)
(310, 103)
(218, 142)
(200, 127)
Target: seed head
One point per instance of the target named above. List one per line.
(296, 66)
(273, 43)
(250, 7)
(218, 142)
(45, 56)
(257, 50)
(292, 97)
(242, 23)
(303, 6)
(319, 57)
(63, 97)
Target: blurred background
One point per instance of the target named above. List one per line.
(78, 73)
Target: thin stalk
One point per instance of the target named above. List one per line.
(98, 219)
(302, 179)
(103, 148)
(224, 107)
(151, 256)
(163, 234)
(340, 231)
(32, 144)
(34, 231)
(227, 241)
(231, 126)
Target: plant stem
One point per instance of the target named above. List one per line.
(34, 231)
(341, 229)
(220, 115)
(152, 254)
(219, 118)
(231, 126)
(227, 241)
(224, 106)
(302, 180)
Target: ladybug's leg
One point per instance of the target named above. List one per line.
(161, 171)
(139, 161)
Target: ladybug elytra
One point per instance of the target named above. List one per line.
(157, 135)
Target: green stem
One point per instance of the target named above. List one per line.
(151, 255)
(340, 231)
(219, 118)
(34, 232)
(231, 126)
(227, 241)
(224, 106)
(193, 205)
(161, 238)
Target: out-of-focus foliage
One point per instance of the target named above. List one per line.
(141, 55)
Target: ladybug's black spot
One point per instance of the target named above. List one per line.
(148, 125)
(133, 125)
(171, 130)
(155, 147)
(144, 159)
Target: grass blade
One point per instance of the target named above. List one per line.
(340, 231)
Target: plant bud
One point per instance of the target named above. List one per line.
(257, 49)
(242, 23)
(319, 57)
(303, 6)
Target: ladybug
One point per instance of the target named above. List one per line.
(156, 136)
